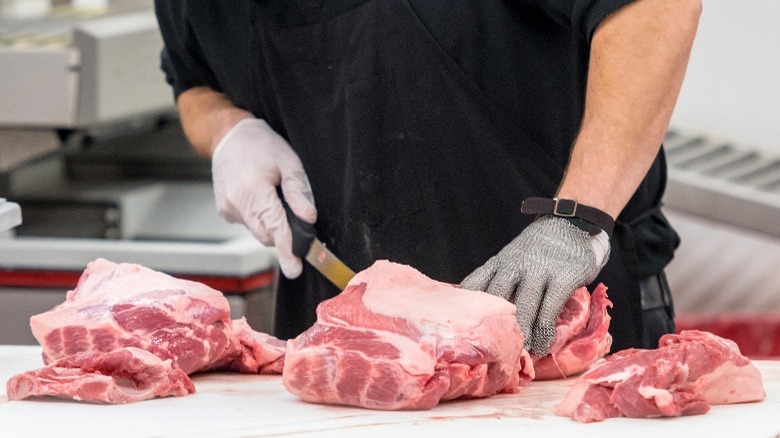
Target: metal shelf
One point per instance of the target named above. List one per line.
(723, 181)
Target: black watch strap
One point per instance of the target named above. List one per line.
(588, 218)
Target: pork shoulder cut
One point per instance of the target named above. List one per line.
(581, 335)
(183, 323)
(126, 305)
(396, 339)
(686, 374)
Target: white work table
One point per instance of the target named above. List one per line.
(234, 405)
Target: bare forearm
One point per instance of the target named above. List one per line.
(206, 116)
(638, 60)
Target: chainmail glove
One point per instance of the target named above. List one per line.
(539, 270)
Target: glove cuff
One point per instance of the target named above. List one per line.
(242, 124)
(582, 216)
(601, 247)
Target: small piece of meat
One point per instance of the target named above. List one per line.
(396, 339)
(581, 335)
(125, 375)
(684, 376)
(261, 353)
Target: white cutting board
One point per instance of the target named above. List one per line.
(232, 405)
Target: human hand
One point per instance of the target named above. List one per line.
(539, 270)
(247, 165)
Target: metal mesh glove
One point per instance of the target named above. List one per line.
(539, 270)
(247, 166)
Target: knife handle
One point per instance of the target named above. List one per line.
(303, 233)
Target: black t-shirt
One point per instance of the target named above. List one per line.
(530, 57)
(206, 43)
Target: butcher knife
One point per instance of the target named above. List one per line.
(307, 246)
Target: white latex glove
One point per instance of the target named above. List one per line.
(247, 166)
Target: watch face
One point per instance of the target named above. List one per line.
(565, 207)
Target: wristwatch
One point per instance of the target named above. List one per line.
(585, 217)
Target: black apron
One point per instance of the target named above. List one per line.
(408, 159)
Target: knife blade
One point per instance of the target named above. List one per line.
(306, 245)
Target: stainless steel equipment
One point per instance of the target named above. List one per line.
(80, 68)
(723, 181)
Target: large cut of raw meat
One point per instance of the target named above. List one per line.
(686, 374)
(581, 335)
(126, 305)
(396, 339)
(122, 376)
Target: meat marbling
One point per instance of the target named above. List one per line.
(396, 339)
(686, 374)
(581, 335)
(126, 305)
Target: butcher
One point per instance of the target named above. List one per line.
(510, 146)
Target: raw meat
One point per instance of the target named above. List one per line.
(581, 336)
(684, 376)
(125, 375)
(396, 339)
(125, 305)
(260, 353)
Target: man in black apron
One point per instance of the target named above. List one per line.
(419, 127)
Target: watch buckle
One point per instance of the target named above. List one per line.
(562, 214)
